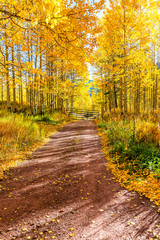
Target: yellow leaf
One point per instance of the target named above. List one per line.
(72, 235)
(24, 229)
(101, 210)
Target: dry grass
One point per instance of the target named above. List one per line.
(20, 135)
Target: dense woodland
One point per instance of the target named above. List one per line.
(127, 56)
(44, 48)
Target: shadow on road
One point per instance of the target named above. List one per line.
(66, 185)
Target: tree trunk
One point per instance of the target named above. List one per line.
(13, 79)
(7, 75)
(120, 97)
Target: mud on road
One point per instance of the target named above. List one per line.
(65, 192)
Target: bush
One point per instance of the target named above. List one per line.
(136, 144)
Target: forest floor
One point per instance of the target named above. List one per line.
(65, 192)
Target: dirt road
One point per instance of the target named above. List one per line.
(65, 192)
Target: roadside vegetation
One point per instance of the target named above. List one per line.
(20, 134)
(132, 148)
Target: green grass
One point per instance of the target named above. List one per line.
(102, 125)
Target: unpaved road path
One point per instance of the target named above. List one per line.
(64, 192)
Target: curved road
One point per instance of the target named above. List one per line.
(65, 192)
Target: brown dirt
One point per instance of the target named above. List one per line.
(66, 185)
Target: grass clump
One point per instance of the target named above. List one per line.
(46, 119)
(102, 125)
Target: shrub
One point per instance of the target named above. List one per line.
(136, 144)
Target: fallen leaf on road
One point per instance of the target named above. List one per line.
(24, 229)
(72, 235)
(101, 210)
